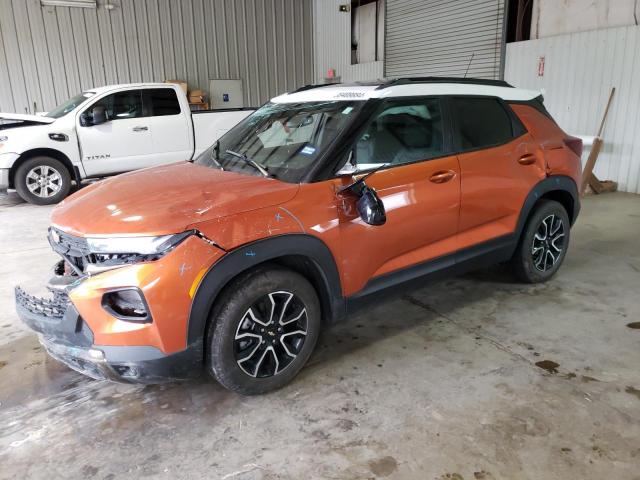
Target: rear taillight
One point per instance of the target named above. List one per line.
(575, 144)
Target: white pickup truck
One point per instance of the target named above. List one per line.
(101, 132)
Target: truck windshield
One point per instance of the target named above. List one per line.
(284, 139)
(66, 107)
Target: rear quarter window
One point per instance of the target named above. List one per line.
(481, 122)
(163, 101)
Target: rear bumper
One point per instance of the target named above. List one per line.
(68, 339)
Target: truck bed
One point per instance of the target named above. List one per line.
(209, 125)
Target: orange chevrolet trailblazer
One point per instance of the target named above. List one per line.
(308, 209)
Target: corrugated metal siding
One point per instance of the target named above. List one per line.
(438, 37)
(48, 54)
(332, 40)
(580, 70)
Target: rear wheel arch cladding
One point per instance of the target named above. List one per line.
(547, 188)
(249, 256)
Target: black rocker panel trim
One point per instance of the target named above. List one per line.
(396, 283)
(255, 253)
(485, 254)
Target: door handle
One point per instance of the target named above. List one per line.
(527, 159)
(140, 129)
(442, 176)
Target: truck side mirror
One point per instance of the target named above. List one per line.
(99, 114)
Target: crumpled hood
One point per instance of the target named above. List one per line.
(165, 199)
(26, 118)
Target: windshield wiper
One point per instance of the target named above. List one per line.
(253, 163)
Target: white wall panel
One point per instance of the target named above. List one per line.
(332, 41)
(48, 54)
(580, 70)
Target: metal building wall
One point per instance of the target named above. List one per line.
(332, 42)
(48, 54)
(579, 71)
(438, 37)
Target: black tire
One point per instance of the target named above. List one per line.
(57, 188)
(251, 365)
(538, 258)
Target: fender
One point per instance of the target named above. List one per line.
(255, 253)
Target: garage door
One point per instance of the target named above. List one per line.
(439, 38)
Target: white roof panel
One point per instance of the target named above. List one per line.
(365, 92)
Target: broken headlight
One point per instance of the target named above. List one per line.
(110, 252)
(136, 245)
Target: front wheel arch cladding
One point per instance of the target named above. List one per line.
(253, 254)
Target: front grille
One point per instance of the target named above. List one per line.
(53, 308)
(69, 244)
(75, 250)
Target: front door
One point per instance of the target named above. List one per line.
(420, 189)
(121, 144)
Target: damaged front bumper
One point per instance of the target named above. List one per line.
(68, 338)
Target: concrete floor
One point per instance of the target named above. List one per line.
(439, 384)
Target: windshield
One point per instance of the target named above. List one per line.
(285, 139)
(69, 105)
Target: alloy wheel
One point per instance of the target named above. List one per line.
(44, 181)
(271, 334)
(548, 243)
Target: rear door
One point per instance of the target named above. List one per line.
(121, 144)
(420, 189)
(499, 165)
(169, 126)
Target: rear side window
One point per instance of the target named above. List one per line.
(163, 101)
(481, 122)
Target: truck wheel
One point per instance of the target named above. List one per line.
(543, 244)
(263, 330)
(42, 181)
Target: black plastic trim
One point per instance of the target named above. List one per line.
(395, 283)
(146, 319)
(470, 81)
(255, 253)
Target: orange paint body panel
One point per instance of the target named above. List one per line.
(165, 284)
(164, 200)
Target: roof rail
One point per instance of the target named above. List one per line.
(312, 86)
(472, 81)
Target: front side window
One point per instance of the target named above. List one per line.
(285, 139)
(482, 122)
(66, 107)
(163, 101)
(122, 105)
(402, 131)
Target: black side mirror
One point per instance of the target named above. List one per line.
(99, 114)
(370, 207)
